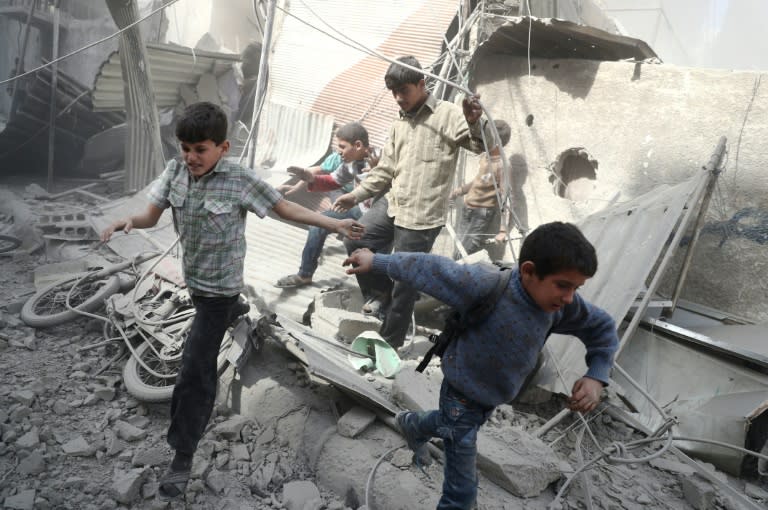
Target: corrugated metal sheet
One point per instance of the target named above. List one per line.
(288, 136)
(312, 71)
(554, 38)
(274, 250)
(628, 239)
(170, 65)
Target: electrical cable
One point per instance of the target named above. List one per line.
(90, 45)
(369, 481)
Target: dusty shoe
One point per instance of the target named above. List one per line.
(172, 484)
(292, 281)
(404, 422)
(373, 306)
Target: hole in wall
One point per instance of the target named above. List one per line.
(529, 120)
(574, 174)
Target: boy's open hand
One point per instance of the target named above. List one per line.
(472, 109)
(350, 228)
(126, 225)
(585, 395)
(344, 203)
(361, 261)
(301, 173)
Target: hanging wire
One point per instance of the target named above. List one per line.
(88, 46)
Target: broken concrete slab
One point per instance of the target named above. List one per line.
(129, 432)
(672, 466)
(23, 500)
(231, 428)
(78, 447)
(301, 495)
(32, 464)
(126, 485)
(354, 421)
(414, 390)
(333, 317)
(698, 492)
(518, 462)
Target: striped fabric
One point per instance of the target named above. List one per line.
(209, 215)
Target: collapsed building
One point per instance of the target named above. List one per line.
(605, 136)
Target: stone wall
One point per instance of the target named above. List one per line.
(646, 125)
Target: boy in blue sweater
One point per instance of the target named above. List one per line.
(489, 361)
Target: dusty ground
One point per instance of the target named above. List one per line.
(76, 440)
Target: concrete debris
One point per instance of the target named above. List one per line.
(126, 486)
(77, 447)
(24, 397)
(29, 441)
(129, 432)
(698, 492)
(301, 495)
(755, 492)
(32, 464)
(24, 500)
(672, 466)
(148, 457)
(230, 429)
(354, 421)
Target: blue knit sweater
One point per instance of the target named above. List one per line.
(490, 361)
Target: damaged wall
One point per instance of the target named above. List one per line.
(645, 125)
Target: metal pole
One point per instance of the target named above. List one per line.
(20, 64)
(54, 90)
(713, 167)
(261, 82)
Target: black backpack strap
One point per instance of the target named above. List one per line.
(474, 315)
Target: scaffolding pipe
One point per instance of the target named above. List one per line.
(261, 83)
(54, 90)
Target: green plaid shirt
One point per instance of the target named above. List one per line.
(209, 215)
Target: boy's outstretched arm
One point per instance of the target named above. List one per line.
(147, 219)
(294, 212)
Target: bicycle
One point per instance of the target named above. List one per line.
(61, 301)
(162, 320)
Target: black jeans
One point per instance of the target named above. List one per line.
(382, 235)
(195, 389)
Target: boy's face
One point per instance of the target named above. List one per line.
(410, 97)
(201, 157)
(350, 151)
(554, 291)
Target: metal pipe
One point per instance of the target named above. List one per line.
(261, 83)
(54, 87)
(20, 64)
(713, 167)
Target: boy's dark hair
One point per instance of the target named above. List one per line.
(202, 121)
(557, 246)
(505, 131)
(397, 75)
(352, 132)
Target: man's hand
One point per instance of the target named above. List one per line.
(500, 238)
(585, 395)
(124, 225)
(344, 203)
(457, 192)
(350, 228)
(361, 261)
(301, 173)
(472, 109)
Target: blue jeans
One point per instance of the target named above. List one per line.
(478, 225)
(316, 240)
(456, 422)
(195, 389)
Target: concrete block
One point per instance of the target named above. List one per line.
(126, 486)
(337, 316)
(698, 493)
(23, 500)
(415, 391)
(516, 461)
(355, 421)
(297, 494)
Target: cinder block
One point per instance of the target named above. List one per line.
(355, 421)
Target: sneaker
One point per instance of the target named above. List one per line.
(421, 455)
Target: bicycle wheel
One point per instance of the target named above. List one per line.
(148, 387)
(48, 306)
(8, 243)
